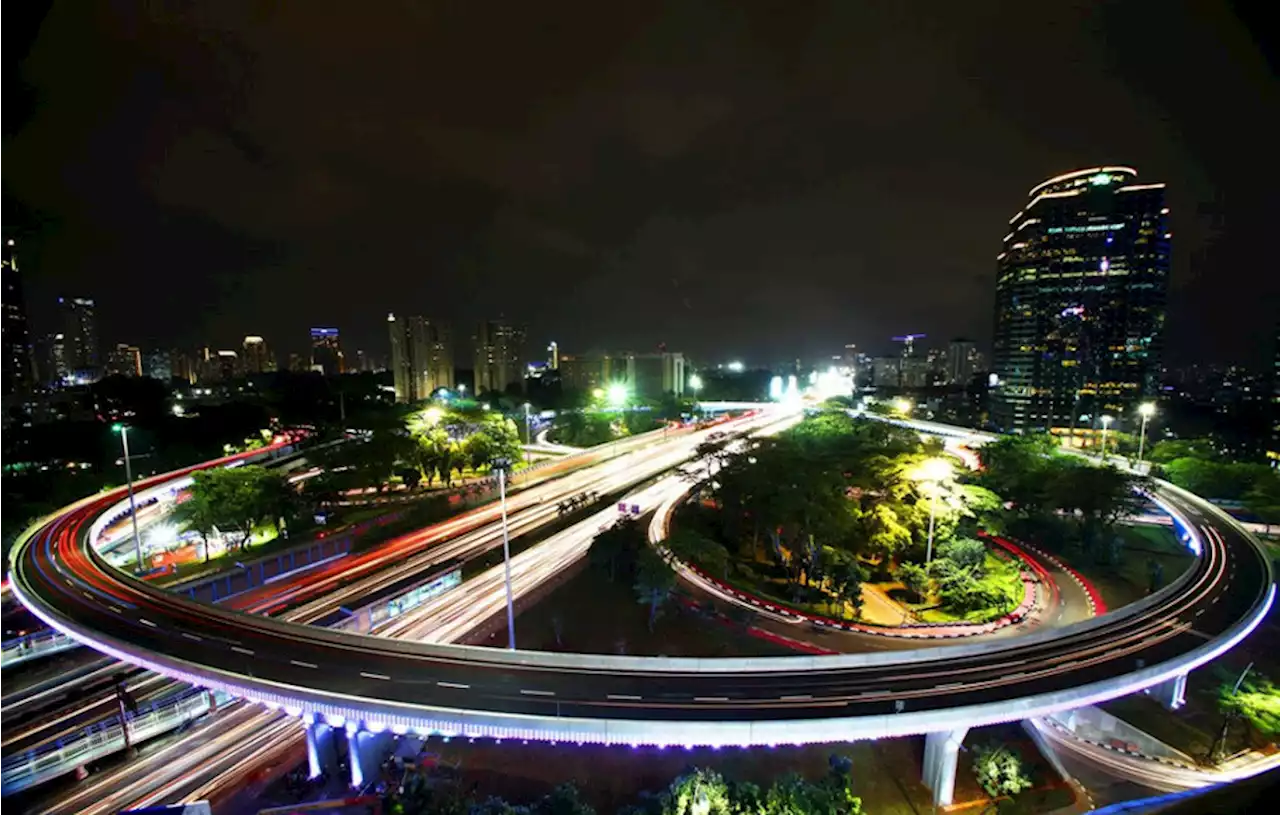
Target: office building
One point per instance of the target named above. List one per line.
(1080, 303)
(53, 367)
(553, 356)
(1273, 447)
(499, 348)
(80, 336)
(421, 357)
(962, 361)
(19, 365)
(158, 364)
(587, 372)
(229, 365)
(326, 351)
(256, 356)
(124, 360)
(651, 376)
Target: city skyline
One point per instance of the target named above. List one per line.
(752, 191)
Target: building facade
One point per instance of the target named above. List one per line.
(256, 357)
(19, 367)
(80, 336)
(963, 361)
(421, 357)
(499, 348)
(124, 360)
(1080, 302)
(326, 351)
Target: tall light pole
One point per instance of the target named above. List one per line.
(501, 465)
(932, 473)
(528, 433)
(1146, 410)
(123, 430)
(1106, 423)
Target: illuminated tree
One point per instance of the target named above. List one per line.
(999, 771)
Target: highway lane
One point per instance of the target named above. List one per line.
(334, 584)
(417, 675)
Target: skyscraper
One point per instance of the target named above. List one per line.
(499, 348)
(421, 357)
(19, 371)
(257, 358)
(326, 351)
(1080, 302)
(962, 358)
(124, 360)
(80, 336)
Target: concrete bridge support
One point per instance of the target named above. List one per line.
(940, 753)
(319, 748)
(1172, 693)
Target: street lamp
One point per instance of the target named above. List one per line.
(932, 473)
(1106, 423)
(528, 432)
(123, 430)
(618, 398)
(901, 405)
(501, 466)
(1146, 410)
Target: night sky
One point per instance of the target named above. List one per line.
(737, 179)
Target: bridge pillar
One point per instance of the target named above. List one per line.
(355, 756)
(319, 735)
(940, 753)
(1172, 693)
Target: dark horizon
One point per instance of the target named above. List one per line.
(730, 182)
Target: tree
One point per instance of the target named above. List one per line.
(847, 576)
(614, 549)
(197, 514)
(915, 579)
(1263, 498)
(697, 792)
(691, 547)
(1256, 699)
(1166, 450)
(966, 553)
(234, 500)
(564, 800)
(998, 770)
(654, 582)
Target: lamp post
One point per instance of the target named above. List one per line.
(1146, 410)
(1106, 423)
(123, 430)
(932, 473)
(501, 466)
(528, 433)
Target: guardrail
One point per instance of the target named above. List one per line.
(33, 646)
(59, 758)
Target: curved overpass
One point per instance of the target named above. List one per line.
(375, 684)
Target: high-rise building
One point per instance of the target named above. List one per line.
(53, 366)
(1273, 447)
(499, 348)
(256, 357)
(326, 351)
(1080, 302)
(124, 360)
(421, 357)
(553, 356)
(650, 376)
(229, 365)
(80, 336)
(962, 359)
(586, 373)
(19, 367)
(158, 364)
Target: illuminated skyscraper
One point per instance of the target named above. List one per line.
(80, 336)
(1080, 302)
(421, 357)
(499, 348)
(19, 373)
(124, 360)
(326, 351)
(256, 357)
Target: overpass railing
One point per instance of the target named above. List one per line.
(54, 759)
(33, 646)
